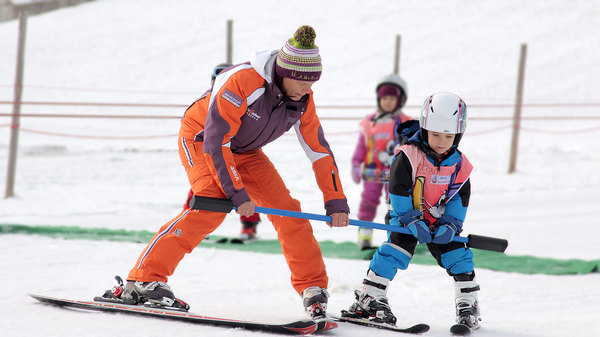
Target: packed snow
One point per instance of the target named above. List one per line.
(150, 51)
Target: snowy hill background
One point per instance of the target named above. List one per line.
(148, 51)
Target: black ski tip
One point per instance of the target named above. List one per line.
(460, 330)
(237, 241)
(354, 319)
(418, 328)
(222, 240)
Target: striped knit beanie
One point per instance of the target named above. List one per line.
(299, 58)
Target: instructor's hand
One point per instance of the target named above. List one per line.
(246, 209)
(339, 220)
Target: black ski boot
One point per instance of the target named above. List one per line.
(467, 304)
(372, 303)
(155, 294)
(468, 314)
(315, 300)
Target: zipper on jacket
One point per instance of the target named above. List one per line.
(333, 179)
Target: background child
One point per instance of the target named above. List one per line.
(375, 148)
(429, 192)
(249, 223)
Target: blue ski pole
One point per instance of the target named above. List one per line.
(225, 206)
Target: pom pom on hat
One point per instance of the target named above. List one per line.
(299, 58)
(304, 38)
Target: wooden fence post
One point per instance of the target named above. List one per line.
(229, 41)
(14, 130)
(514, 146)
(397, 55)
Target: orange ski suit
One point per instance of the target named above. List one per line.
(220, 145)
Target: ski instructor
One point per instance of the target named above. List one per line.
(220, 141)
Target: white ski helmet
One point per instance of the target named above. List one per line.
(443, 112)
(398, 82)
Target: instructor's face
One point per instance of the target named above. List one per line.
(295, 89)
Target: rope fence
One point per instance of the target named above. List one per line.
(508, 122)
(57, 134)
(336, 106)
(338, 133)
(320, 106)
(127, 91)
(324, 118)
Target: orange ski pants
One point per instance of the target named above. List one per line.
(266, 188)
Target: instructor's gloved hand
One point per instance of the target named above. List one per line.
(448, 226)
(418, 227)
(356, 173)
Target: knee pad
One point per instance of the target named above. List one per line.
(458, 261)
(388, 259)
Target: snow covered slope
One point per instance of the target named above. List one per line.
(149, 51)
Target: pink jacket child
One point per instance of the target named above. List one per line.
(375, 149)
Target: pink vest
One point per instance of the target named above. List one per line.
(438, 185)
(379, 138)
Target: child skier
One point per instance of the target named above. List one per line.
(429, 192)
(375, 148)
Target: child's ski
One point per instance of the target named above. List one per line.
(301, 327)
(462, 329)
(415, 329)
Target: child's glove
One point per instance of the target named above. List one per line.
(409, 217)
(418, 228)
(448, 227)
(356, 173)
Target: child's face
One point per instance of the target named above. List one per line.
(388, 103)
(440, 142)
